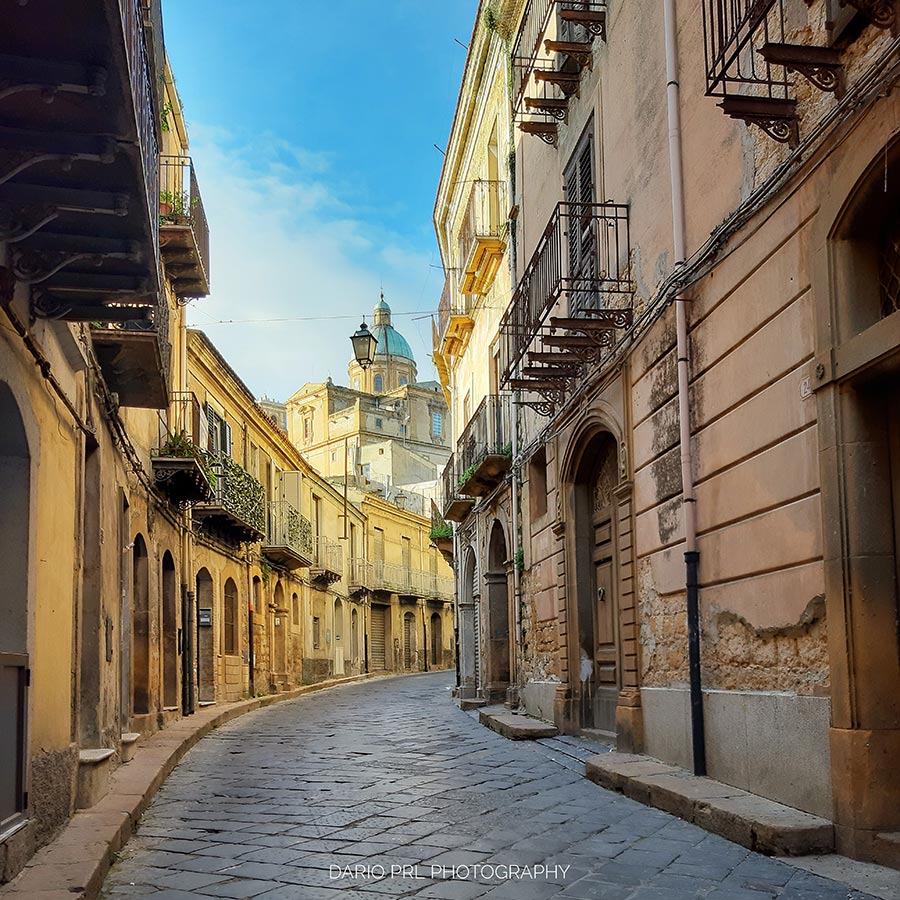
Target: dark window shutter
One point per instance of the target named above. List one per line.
(226, 438)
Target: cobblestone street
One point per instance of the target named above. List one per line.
(390, 776)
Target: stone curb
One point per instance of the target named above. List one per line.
(74, 865)
(747, 819)
(513, 726)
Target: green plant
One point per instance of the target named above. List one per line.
(164, 113)
(178, 445)
(467, 475)
(491, 18)
(442, 530)
(265, 571)
(520, 560)
(181, 206)
(506, 449)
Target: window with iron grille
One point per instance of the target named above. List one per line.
(890, 268)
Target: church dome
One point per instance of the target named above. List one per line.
(390, 341)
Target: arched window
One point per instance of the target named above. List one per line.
(379, 383)
(295, 609)
(402, 380)
(338, 620)
(231, 618)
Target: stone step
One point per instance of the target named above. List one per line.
(886, 849)
(471, 703)
(513, 726)
(747, 819)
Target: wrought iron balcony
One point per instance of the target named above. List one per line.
(456, 506)
(572, 298)
(328, 565)
(455, 322)
(482, 238)
(79, 180)
(133, 349)
(484, 449)
(748, 62)
(237, 509)
(289, 540)
(180, 468)
(360, 576)
(552, 47)
(183, 229)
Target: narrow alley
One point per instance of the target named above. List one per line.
(385, 789)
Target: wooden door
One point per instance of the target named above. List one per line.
(603, 582)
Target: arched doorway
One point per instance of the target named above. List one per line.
(232, 628)
(593, 647)
(858, 425)
(206, 674)
(15, 523)
(409, 636)
(468, 638)
(280, 633)
(170, 631)
(140, 629)
(338, 637)
(437, 641)
(496, 582)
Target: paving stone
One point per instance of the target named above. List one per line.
(388, 773)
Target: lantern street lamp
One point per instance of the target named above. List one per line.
(364, 343)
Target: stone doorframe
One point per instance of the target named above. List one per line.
(852, 345)
(467, 597)
(629, 714)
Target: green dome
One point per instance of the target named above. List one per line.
(390, 341)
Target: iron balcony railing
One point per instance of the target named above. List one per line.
(139, 74)
(543, 19)
(289, 528)
(329, 555)
(452, 303)
(238, 492)
(583, 258)
(186, 426)
(486, 216)
(180, 203)
(734, 30)
(360, 572)
(488, 433)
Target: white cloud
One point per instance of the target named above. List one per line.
(286, 245)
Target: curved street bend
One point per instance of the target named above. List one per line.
(286, 803)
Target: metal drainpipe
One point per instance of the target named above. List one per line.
(691, 555)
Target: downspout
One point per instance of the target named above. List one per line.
(689, 501)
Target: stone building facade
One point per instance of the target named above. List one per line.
(163, 544)
(386, 432)
(700, 345)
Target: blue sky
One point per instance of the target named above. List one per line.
(312, 138)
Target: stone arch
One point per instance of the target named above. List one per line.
(206, 658)
(279, 631)
(857, 383)
(169, 630)
(595, 522)
(497, 592)
(437, 641)
(15, 540)
(231, 637)
(469, 637)
(140, 628)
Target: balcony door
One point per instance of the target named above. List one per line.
(581, 237)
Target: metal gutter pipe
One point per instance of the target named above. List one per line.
(689, 501)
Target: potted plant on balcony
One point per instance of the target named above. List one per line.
(442, 538)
